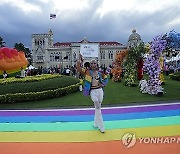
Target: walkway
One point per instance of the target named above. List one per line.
(130, 129)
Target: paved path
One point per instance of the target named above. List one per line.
(129, 129)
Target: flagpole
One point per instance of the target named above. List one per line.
(50, 24)
(51, 17)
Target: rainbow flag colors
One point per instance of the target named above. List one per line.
(155, 129)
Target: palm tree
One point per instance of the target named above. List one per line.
(2, 42)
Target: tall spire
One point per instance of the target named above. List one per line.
(50, 32)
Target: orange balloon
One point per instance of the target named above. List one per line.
(22, 55)
(2, 64)
(11, 60)
(17, 58)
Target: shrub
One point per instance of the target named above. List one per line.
(39, 89)
(27, 79)
(175, 76)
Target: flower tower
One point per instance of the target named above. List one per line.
(117, 66)
(153, 67)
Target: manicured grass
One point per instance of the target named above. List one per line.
(115, 93)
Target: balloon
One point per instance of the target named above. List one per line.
(14, 52)
(7, 52)
(17, 58)
(11, 60)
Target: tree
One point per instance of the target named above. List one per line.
(21, 47)
(2, 42)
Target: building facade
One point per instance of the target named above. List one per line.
(47, 54)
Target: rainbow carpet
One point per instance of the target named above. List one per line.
(130, 129)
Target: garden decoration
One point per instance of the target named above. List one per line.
(173, 43)
(11, 60)
(133, 63)
(161, 76)
(117, 66)
(173, 40)
(140, 69)
(147, 48)
(152, 67)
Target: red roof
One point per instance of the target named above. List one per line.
(110, 43)
(62, 44)
(58, 44)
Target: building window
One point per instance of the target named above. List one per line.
(110, 53)
(57, 58)
(74, 56)
(68, 56)
(36, 42)
(51, 57)
(60, 55)
(39, 57)
(102, 55)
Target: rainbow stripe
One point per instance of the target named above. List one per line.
(75, 127)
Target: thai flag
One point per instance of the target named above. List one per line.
(52, 16)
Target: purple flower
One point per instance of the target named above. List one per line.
(152, 64)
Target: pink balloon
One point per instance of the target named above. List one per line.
(14, 52)
(7, 52)
(1, 56)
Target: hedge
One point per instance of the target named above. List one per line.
(27, 79)
(33, 96)
(38, 87)
(175, 76)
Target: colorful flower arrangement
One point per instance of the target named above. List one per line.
(140, 69)
(152, 66)
(130, 72)
(173, 40)
(117, 66)
(131, 66)
(161, 76)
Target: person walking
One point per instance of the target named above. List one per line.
(5, 75)
(95, 81)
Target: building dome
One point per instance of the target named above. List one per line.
(134, 36)
(134, 39)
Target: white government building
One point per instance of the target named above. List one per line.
(47, 54)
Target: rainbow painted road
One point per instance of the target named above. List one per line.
(71, 130)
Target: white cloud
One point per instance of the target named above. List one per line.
(44, 1)
(151, 6)
(114, 5)
(98, 20)
(174, 22)
(23, 5)
(143, 6)
(68, 5)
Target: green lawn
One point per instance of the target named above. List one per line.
(115, 93)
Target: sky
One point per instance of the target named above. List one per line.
(97, 20)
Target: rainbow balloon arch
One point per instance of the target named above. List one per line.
(11, 60)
